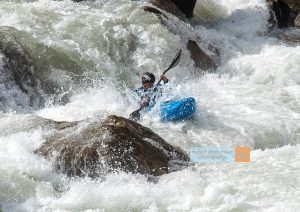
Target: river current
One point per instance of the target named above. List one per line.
(252, 99)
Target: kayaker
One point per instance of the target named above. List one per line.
(147, 91)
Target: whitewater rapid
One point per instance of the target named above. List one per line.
(252, 99)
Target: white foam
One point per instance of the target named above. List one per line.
(252, 99)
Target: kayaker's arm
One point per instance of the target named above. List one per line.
(158, 85)
(141, 95)
(145, 102)
(164, 78)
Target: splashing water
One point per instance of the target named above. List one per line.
(252, 99)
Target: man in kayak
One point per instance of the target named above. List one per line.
(146, 93)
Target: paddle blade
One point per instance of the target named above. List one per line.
(135, 116)
(175, 61)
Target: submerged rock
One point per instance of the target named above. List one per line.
(201, 60)
(37, 70)
(20, 68)
(116, 144)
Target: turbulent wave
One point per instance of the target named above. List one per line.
(89, 56)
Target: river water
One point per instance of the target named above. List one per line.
(252, 99)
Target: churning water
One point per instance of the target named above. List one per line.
(101, 47)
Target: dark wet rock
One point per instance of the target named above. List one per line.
(50, 63)
(155, 11)
(297, 21)
(201, 60)
(152, 10)
(37, 69)
(168, 6)
(281, 12)
(285, 11)
(20, 66)
(293, 4)
(178, 8)
(186, 6)
(116, 144)
(61, 125)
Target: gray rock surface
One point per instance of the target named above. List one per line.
(116, 144)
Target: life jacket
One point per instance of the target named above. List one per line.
(150, 93)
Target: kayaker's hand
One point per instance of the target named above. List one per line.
(145, 101)
(164, 78)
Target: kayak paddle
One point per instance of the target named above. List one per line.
(135, 116)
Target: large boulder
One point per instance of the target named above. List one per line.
(116, 144)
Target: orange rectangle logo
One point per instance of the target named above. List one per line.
(242, 154)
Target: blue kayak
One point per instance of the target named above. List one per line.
(176, 110)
